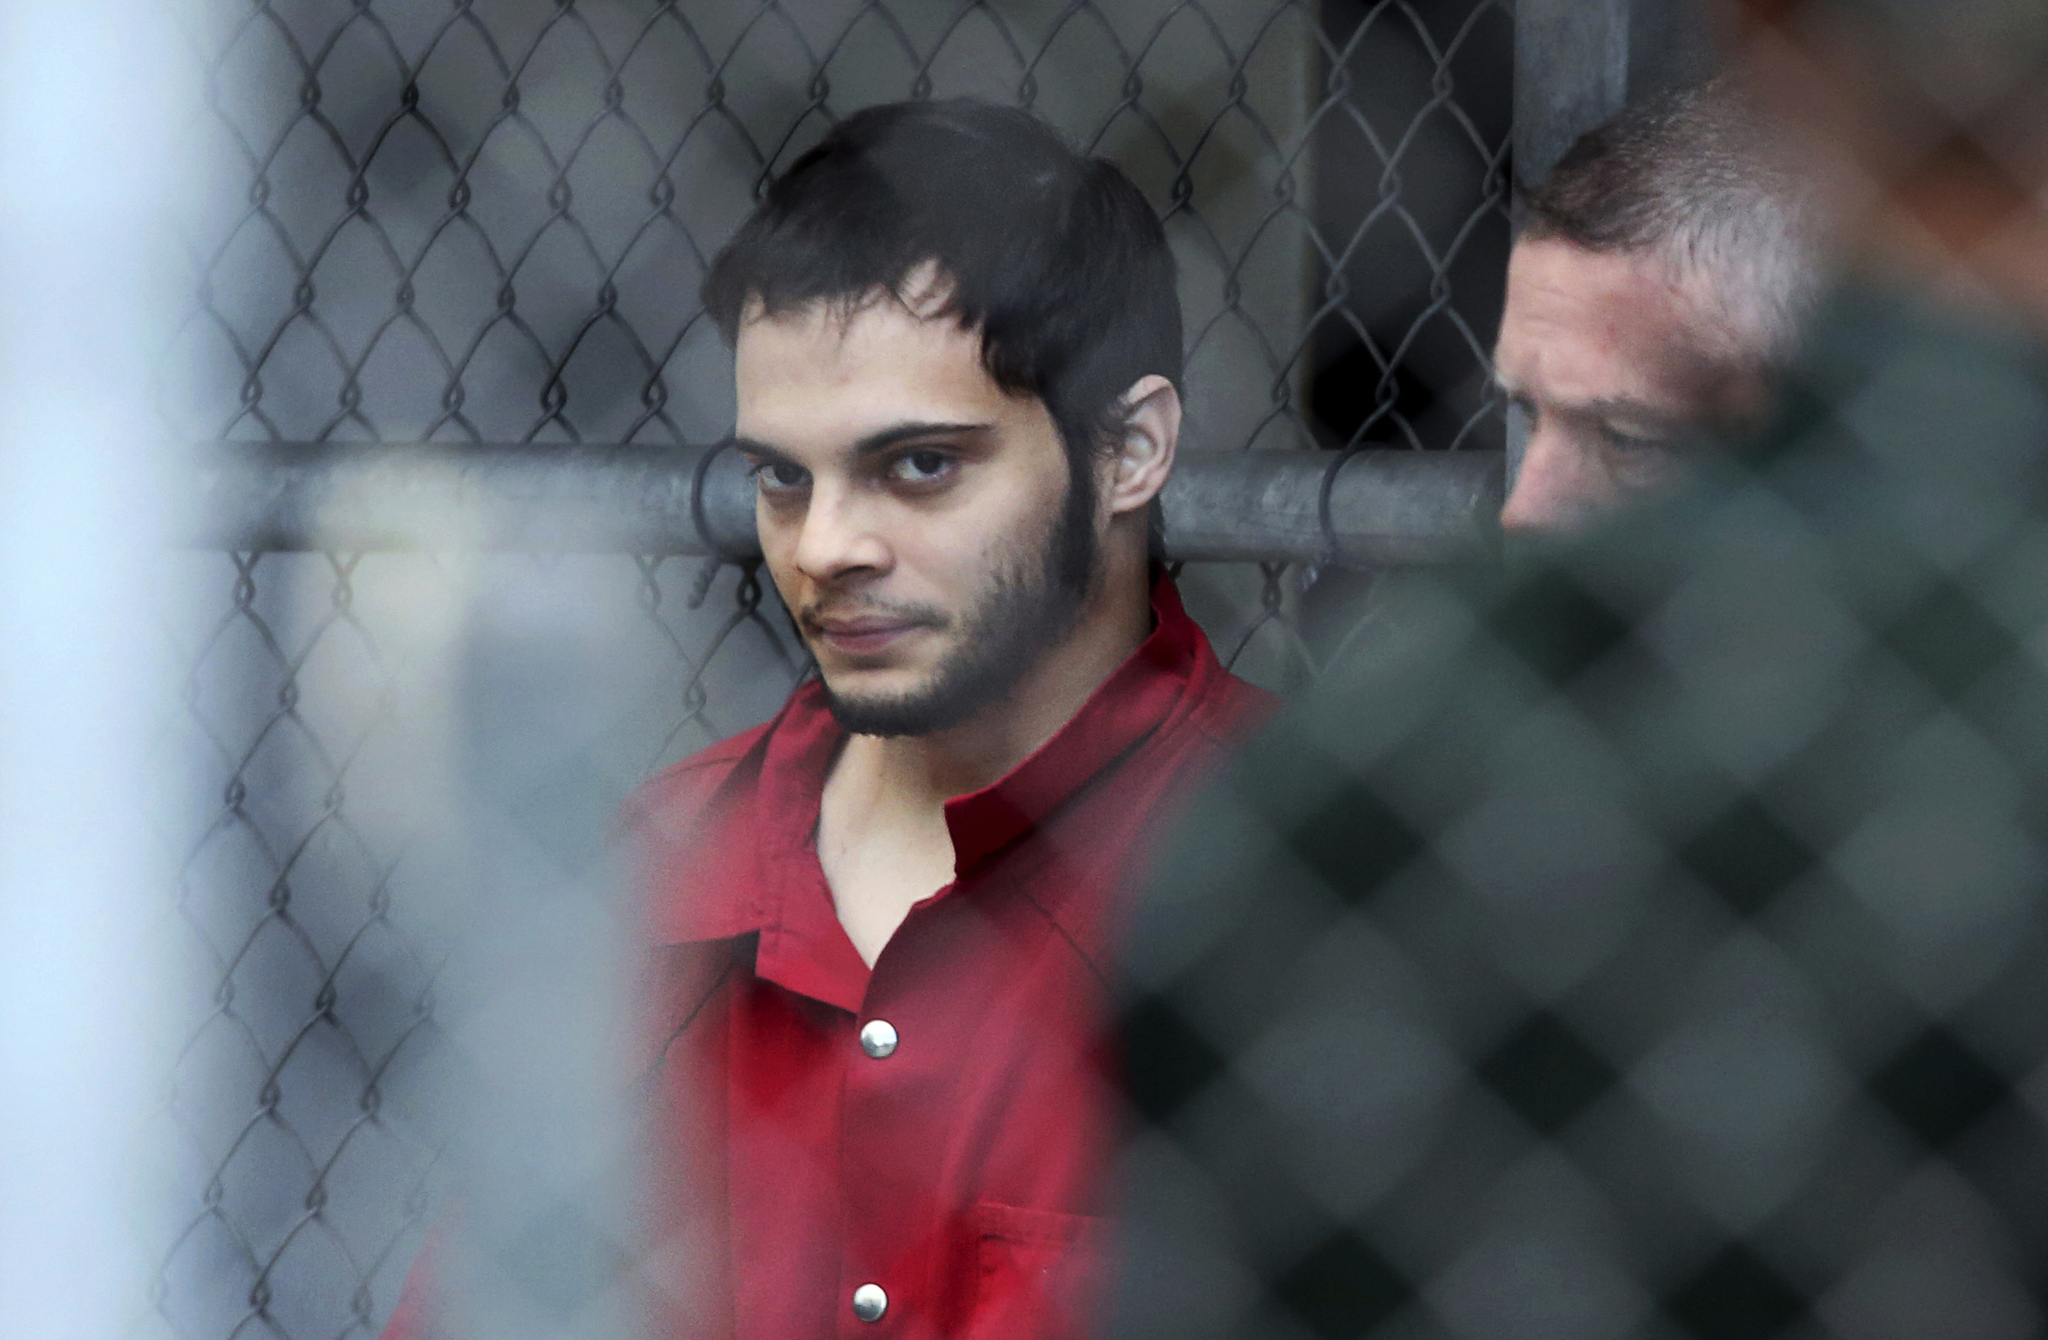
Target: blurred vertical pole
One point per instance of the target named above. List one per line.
(1571, 73)
(1671, 45)
(86, 118)
(537, 1000)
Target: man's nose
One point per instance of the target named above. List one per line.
(840, 536)
(1558, 488)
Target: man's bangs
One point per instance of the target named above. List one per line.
(1054, 258)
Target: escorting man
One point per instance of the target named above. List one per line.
(883, 919)
(1662, 274)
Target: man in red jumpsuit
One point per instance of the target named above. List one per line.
(884, 920)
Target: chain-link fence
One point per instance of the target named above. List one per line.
(487, 222)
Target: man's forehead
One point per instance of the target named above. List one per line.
(816, 376)
(868, 338)
(1613, 293)
(1592, 326)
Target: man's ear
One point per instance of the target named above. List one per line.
(1144, 453)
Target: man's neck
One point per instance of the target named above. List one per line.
(882, 836)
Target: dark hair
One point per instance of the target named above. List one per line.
(1701, 178)
(1053, 257)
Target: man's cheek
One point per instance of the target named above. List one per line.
(783, 575)
(1648, 469)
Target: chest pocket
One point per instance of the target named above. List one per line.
(1042, 1275)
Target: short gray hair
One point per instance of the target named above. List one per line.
(1702, 179)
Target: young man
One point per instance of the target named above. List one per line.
(1662, 274)
(885, 916)
(883, 920)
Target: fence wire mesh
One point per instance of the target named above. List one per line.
(488, 222)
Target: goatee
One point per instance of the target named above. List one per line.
(1033, 601)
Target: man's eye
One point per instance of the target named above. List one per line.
(1640, 460)
(781, 476)
(1629, 444)
(920, 467)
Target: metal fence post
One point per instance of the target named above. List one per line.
(85, 981)
(1571, 73)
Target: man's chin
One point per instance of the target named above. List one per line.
(872, 683)
(890, 715)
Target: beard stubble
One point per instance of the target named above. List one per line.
(1034, 598)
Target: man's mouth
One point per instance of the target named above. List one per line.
(861, 634)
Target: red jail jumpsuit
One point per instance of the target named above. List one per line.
(917, 1150)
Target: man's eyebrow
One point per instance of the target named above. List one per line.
(891, 436)
(747, 446)
(1601, 407)
(910, 432)
(1620, 407)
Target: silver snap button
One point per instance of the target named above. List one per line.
(869, 1302)
(878, 1039)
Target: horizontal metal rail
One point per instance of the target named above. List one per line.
(1367, 508)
